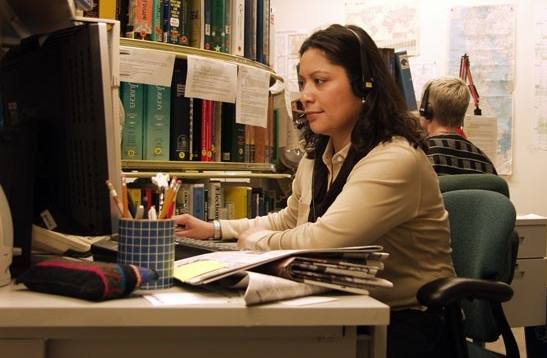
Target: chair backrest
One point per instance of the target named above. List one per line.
(486, 182)
(482, 224)
(473, 181)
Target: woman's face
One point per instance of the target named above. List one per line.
(331, 107)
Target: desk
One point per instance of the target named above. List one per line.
(36, 325)
(527, 307)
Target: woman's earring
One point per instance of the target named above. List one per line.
(363, 100)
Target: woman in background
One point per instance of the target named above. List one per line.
(365, 180)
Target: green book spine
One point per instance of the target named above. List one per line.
(157, 21)
(218, 25)
(157, 122)
(133, 105)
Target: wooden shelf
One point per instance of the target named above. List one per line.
(201, 170)
(183, 51)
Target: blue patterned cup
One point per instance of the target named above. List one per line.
(151, 244)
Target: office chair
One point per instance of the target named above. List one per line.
(486, 182)
(482, 223)
(473, 181)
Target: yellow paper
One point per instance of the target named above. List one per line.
(195, 269)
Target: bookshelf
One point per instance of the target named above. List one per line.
(199, 169)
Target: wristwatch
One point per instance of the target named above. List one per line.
(218, 232)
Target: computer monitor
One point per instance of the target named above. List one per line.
(60, 139)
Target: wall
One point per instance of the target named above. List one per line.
(528, 191)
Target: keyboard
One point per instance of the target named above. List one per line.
(107, 251)
(186, 247)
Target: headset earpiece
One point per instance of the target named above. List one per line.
(362, 86)
(425, 109)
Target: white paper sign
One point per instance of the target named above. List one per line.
(146, 66)
(211, 79)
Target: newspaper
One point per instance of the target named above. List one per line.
(267, 276)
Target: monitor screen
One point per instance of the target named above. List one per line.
(60, 139)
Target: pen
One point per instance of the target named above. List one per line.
(139, 214)
(114, 196)
(152, 213)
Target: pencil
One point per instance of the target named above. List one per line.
(169, 197)
(114, 196)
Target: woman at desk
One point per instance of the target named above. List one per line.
(365, 180)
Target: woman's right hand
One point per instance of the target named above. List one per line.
(192, 227)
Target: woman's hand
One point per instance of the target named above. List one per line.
(192, 227)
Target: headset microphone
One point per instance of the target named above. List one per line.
(300, 121)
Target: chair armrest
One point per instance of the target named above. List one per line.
(447, 290)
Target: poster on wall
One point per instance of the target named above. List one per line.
(391, 24)
(487, 35)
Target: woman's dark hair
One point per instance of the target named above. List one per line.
(385, 113)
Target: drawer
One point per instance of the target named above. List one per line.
(527, 307)
(28, 348)
(533, 240)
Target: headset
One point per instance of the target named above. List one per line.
(425, 109)
(364, 86)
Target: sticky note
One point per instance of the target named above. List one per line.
(195, 269)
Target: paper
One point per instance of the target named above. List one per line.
(483, 132)
(211, 79)
(146, 66)
(253, 89)
(195, 269)
(189, 298)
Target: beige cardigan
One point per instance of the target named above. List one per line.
(391, 198)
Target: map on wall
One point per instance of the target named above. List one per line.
(487, 35)
(390, 24)
(540, 76)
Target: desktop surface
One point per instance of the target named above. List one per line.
(63, 327)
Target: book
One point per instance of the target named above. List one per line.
(183, 200)
(240, 198)
(132, 97)
(196, 23)
(262, 31)
(206, 130)
(207, 24)
(180, 114)
(140, 15)
(197, 191)
(232, 144)
(218, 25)
(215, 200)
(388, 55)
(157, 20)
(157, 123)
(237, 27)
(404, 79)
(195, 128)
(176, 23)
(217, 131)
(249, 48)
(260, 143)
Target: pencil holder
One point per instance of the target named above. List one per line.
(151, 244)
